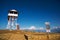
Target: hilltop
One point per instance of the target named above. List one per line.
(27, 35)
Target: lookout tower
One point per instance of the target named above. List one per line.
(12, 19)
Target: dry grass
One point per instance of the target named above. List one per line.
(19, 35)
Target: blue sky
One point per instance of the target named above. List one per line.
(31, 12)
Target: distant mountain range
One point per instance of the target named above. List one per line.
(57, 30)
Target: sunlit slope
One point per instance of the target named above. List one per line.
(23, 35)
(12, 35)
(44, 37)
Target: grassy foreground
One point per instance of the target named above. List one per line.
(25, 35)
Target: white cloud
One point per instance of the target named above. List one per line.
(23, 28)
(55, 27)
(41, 28)
(32, 27)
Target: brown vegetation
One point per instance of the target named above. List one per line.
(25, 35)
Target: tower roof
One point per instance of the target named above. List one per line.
(13, 10)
